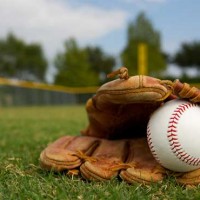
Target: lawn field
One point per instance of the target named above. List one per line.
(25, 132)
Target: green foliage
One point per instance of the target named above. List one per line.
(73, 67)
(142, 31)
(82, 66)
(21, 60)
(188, 55)
(100, 62)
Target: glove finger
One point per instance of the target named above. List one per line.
(108, 155)
(145, 168)
(62, 154)
(133, 90)
(189, 178)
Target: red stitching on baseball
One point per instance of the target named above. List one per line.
(150, 143)
(172, 136)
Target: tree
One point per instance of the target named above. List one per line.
(142, 31)
(100, 62)
(73, 67)
(21, 60)
(188, 56)
(86, 66)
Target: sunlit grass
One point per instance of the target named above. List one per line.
(25, 132)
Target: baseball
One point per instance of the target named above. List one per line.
(173, 134)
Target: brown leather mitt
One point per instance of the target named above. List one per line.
(114, 143)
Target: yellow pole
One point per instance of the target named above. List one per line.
(142, 59)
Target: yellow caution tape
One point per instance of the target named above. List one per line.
(58, 88)
(43, 86)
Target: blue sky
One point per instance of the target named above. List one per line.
(97, 22)
(177, 20)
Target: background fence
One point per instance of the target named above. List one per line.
(25, 96)
(17, 93)
(20, 93)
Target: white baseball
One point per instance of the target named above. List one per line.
(173, 135)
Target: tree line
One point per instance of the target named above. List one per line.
(88, 66)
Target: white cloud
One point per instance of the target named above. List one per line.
(52, 21)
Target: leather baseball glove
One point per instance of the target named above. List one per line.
(114, 143)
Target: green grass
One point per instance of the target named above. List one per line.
(25, 132)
